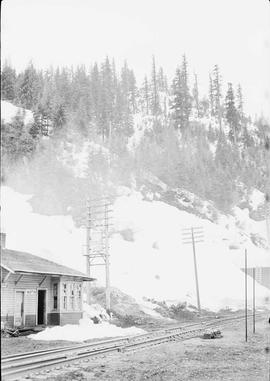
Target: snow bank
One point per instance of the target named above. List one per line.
(256, 199)
(95, 311)
(9, 111)
(85, 330)
(148, 258)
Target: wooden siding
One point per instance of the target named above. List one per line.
(70, 318)
(53, 318)
(30, 284)
(30, 320)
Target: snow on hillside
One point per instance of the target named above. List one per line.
(76, 156)
(9, 111)
(256, 199)
(148, 258)
(141, 125)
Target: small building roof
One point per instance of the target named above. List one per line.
(20, 262)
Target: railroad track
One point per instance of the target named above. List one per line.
(17, 366)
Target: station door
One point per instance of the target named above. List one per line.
(19, 309)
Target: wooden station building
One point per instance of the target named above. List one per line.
(35, 291)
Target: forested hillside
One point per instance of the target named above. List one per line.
(204, 143)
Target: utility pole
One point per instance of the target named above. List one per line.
(107, 264)
(192, 236)
(246, 332)
(88, 237)
(97, 240)
(253, 298)
(267, 186)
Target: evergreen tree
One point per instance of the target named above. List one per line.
(107, 98)
(44, 108)
(28, 87)
(145, 96)
(16, 142)
(217, 95)
(8, 82)
(127, 100)
(211, 96)
(59, 116)
(154, 96)
(240, 105)
(181, 99)
(63, 86)
(195, 93)
(96, 92)
(231, 114)
(204, 106)
(162, 81)
(133, 92)
(185, 88)
(177, 101)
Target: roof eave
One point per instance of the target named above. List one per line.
(7, 268)
(83, 277)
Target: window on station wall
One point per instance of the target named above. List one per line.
(64, 296)
(55, 296)
(72, 296)
(79, 291)
(78, 295)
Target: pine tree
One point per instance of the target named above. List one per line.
(8, 82)
(16, 141)
(240, 105)
(133, 92)
(63, 87)
(145, 96)
(162, 81)
(28, 87)
(107, 99)
(195, 93)
(154, 96)
(177, 101)
(211, 96)
(217, 95)
(181, 99)
(185, 88)
(231, 114)
(44, 108)
(96, 92)
(59, 116)
(128, 100)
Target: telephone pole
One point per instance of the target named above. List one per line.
(97, 240)
(253, 297)
(267, 187)
(246, 319)
(192, 236)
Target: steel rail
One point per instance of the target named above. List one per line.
(15, 366)
(19, 356)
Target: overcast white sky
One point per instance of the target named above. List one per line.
(233, 33)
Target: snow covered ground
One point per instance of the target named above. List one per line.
(148, 258)
(85, 330)
(9, 111)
